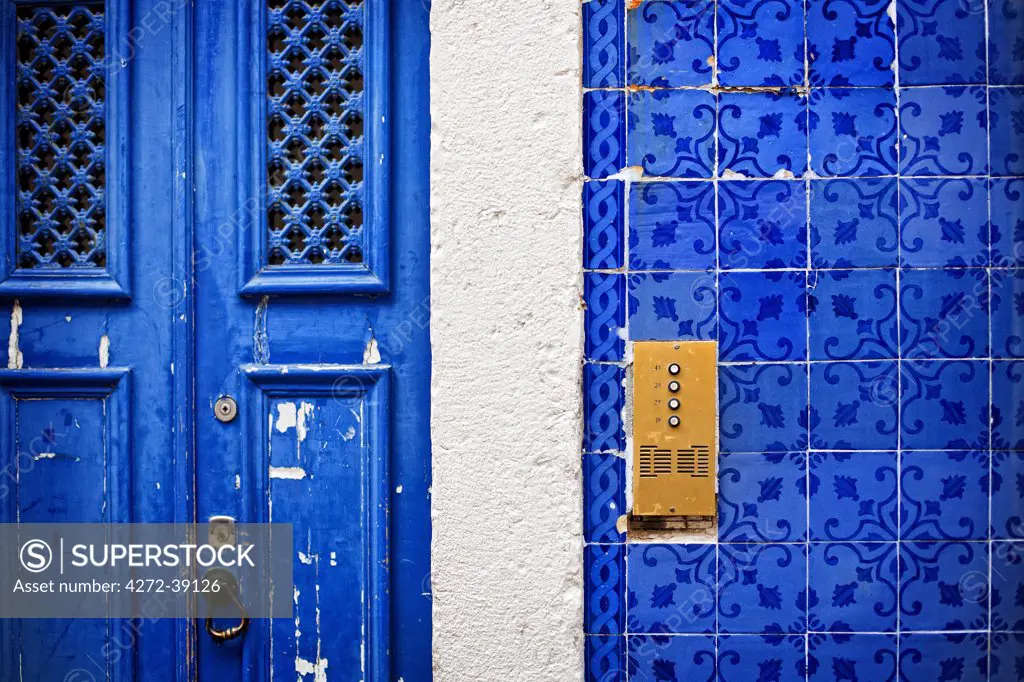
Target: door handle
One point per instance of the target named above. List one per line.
(221, 532)
(226, 597)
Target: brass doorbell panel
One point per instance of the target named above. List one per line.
(675, 446)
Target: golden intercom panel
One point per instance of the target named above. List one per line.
(675, 449)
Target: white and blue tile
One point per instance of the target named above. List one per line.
(762, 224)
(762, 408)
(853, 314)
(944, 495)
(604, 497)
(603, 212)
(672, 133)
(762, 316)
(666, 306)
(944, 586)
(762, 497)
(853, 586)
(943, 131)
(854, 223)
(1006, 657)
(853, 132)
(853, 496)
(603, 401)
(854, 406)
(604, 133)
(672, 588)
(603, 45)
(672, 226)
(762, 135)
(1005, 45)
(762, 588)
(605, 658)
(944, 404)
(604, 316)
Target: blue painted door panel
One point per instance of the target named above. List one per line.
(246, 217)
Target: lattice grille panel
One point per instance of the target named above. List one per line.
(60, 137)
(315, 132)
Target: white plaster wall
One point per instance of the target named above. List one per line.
(506, 331)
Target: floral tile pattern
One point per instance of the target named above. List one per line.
(672, 226)
(833, 190)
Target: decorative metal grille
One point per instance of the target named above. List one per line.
(315, 132)
(60, 137)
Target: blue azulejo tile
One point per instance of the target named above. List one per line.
(1007, 204)
(604, 497)
(1005, 42)
(943, 586)
(603, 400)
(850, 43)
(852, 314)
(775, 658)
(1006, 116)
(1008, 405)
(853, 131)
(944, 405)
(853, 586)
(603, 211)
(931, 656)
(1008, 495)
(672, 225)
(854, 223)
(670, 306)
(762, 316)
(944, 495)
(606, 658)
(762, 135)
(603, 53)
(762, 588)
(857, 658)
(943, 131)
(943, 223)
(760, 43)
(762, 497)
(853, 496)
(671, 588)
(1008, 586)
(1006, 657)
(671, 43)
(604, 133)
(944, 313)
(604, 586)
(605, 315)
(941, 41)
(671, 133)
(762, 408)
(661, 658)
(854, 405)
(762, 224)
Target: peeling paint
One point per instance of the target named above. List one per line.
(317, 669)
(286, 417)
(238, 482)
(14, 357)
(104, 351)
(260, 340)
(349, 434)
(398, 490)
(304, 412)
(371, 354)
(288, 473)
(305, 559)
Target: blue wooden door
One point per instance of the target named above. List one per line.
(223, 201)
